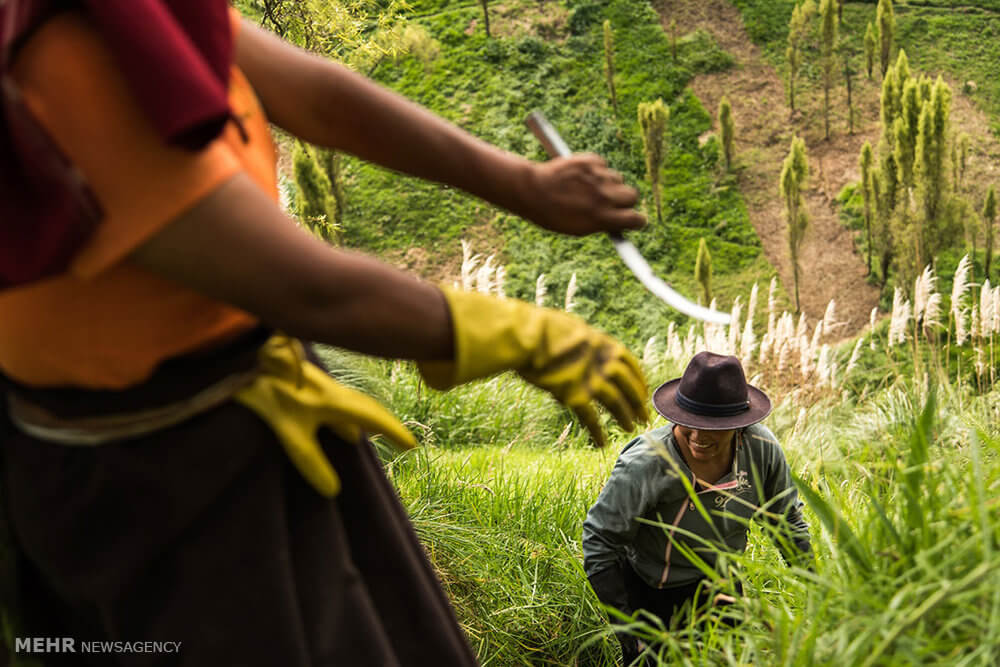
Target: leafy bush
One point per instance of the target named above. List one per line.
(584, 17)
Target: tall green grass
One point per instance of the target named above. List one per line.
(900, 486)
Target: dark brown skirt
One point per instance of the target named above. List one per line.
(205, 534)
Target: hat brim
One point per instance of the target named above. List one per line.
(664, 400)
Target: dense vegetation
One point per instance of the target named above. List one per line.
(959, 44)
(938, 39)
(556, 64)
(893, 435)
(898, 477)
(899, 483)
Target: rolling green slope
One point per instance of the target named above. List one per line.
(489, 85)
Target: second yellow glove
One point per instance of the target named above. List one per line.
(296, 398)
(551, 349)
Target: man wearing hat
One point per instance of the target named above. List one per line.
(714, 449)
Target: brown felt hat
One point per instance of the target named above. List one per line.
(712, 395)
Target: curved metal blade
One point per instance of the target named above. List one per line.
(637, 264)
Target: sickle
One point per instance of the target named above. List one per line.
(556, 147)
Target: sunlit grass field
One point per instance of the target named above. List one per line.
(901, 488)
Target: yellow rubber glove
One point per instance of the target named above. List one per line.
(295, 398)
(554, 350)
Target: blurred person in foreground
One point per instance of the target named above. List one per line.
(714, 453)
(173, 469)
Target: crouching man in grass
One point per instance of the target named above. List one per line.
(681, 494)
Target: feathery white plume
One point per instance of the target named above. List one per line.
(784, 353)
(772, 305)
(961, 332)
(959, 286)
(855, 356)
(484, 277)
(801, 330)
(501, 277)
(923, 286)
(649, 352)
(932, 311)
(752, 303)
(469, 262)
(817, 335)
(748, 342)
(570, 293)
(996, 310)
(900, 318)
(871, 331)
(986, 306)
(823, 369)
(689, 344)
(766, 344)
(540, 290)
(734, 327)
(675, 347)
(830, 318)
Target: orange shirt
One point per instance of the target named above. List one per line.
(105, 323)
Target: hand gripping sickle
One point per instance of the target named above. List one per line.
(556, 147)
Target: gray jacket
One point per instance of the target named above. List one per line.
(646, 482)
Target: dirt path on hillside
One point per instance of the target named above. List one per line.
(831, 269)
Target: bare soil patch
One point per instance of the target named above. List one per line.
(548, 21)
(831, 267)
(443, 264)
(764, 124)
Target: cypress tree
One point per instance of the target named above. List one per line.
(881, 230)
(963, 158)
(932, 150)
(888, 111)
(314, 204)
(609, 63)
(486, 15)
(956, 180)
(886, 21)
(703, 271)
(865, 163)
(330, 160)
(989, 223)
(902, 71)
(848, 78)
(937, 225)
(906, 133)
(870, 48)
(653, 117)
(896, 145)
(726, 127)
(904, 145)
(794, 176)
(798, 28)
(673, 39)
(973, 226)
(828, 44)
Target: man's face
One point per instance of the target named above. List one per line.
(707, 446)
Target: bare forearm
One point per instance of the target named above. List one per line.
(377, 310)
(237, 247)
(327, 104)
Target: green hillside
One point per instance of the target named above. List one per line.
(555, 64)
(954, 37)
